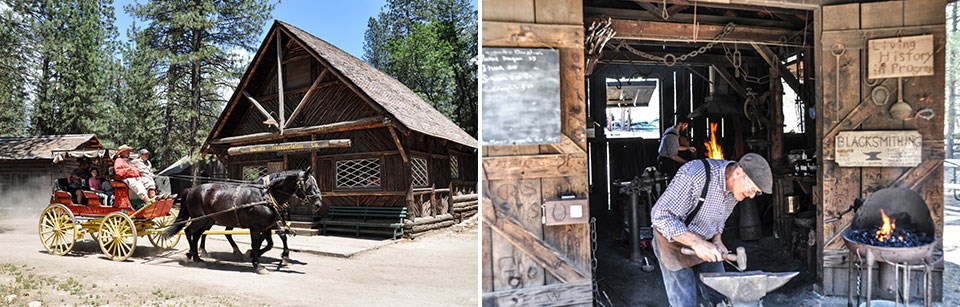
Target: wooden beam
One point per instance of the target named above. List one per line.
(396, 139)
(261, 108)
(683, 32)
(512, 34)
(363, 123)
(726, 76)
(364, 193)
(358, 155)
(566, 294)
(280, 90)
(297, 58)
(289, 147)
(306, 97)
(676, 8)
(774, 61)
(687, 18)
(537, 166)
(791, 6)
(532, 245)
(627, 57)
(913, 178)
(656, 11)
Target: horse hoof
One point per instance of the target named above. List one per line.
(285, 261)
(237, 253)
(248, 254)
(203, 253)
(262, 270)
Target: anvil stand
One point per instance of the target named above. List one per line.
(646, 184)
(926, 265)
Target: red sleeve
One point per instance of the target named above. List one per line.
(124, 170)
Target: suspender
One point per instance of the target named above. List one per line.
(703, 195)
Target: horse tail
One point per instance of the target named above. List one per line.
(184, 215)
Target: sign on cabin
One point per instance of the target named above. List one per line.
(910, 56)
(878, 148)
(521, 96)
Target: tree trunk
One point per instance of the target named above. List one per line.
(195, 91)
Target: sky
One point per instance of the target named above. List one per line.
(341, 23)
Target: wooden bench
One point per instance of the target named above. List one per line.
(368, 220)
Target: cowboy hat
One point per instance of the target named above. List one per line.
(123, 148)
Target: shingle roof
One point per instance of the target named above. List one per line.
(41, 147)
(396, 98)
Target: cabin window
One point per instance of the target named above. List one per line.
(454, 167)
(358, 173)
(297, 74)
(418, 169)
(254, 172)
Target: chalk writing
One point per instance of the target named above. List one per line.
(520, 96)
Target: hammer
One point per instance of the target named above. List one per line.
(739, 259)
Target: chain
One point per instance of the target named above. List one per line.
(593, 259)
(670, 59)
(735, 61)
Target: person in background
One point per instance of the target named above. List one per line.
(142, 163)
(668, 155)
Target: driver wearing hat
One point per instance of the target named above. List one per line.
(130, 175)
(692, 212)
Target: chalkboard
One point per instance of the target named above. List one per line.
(521, 96)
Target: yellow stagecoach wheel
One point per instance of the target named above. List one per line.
(117, 236)
(156, 236)
(58, 230)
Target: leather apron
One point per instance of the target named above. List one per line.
(668, 252)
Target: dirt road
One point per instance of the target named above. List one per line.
(437, 270)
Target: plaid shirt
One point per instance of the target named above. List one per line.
(682, 195)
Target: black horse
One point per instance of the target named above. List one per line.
(210, 198)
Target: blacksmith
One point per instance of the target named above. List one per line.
(668, 155)
(691, 213)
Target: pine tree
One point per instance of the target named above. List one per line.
(429, 46)
(13, 68)
(190, 44)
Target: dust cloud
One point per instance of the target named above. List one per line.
(26, 201)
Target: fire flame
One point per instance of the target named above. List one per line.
(888, 226)
(713, 148)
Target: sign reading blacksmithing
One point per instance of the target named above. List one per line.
(878, 148)
(909, 56)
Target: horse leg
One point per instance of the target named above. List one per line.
(269, 238)
(286, 251)
(193, 237)
(256, 237)
(203, 246)
(233, 244)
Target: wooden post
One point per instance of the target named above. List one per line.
(396, 139)
(306, 97)
(261, 108)
(280, 92)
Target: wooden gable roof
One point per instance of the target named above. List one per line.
(365, 85)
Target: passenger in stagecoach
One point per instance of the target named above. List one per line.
(130, 175)
(78, 178)
(142, 163)
(95, 184)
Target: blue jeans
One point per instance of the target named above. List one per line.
(682, 285)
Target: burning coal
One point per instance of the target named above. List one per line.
(888, 235)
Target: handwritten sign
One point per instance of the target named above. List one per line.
(878, 148)
(521, 96)
(910, 56)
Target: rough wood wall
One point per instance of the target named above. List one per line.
(525, 262)
(850, 108)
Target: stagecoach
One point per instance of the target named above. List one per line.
(115, 225)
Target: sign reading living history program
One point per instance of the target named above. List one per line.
(521, 96)
(878, 148)
(910, 56)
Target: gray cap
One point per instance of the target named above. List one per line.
(758, 170)
(144, 151)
